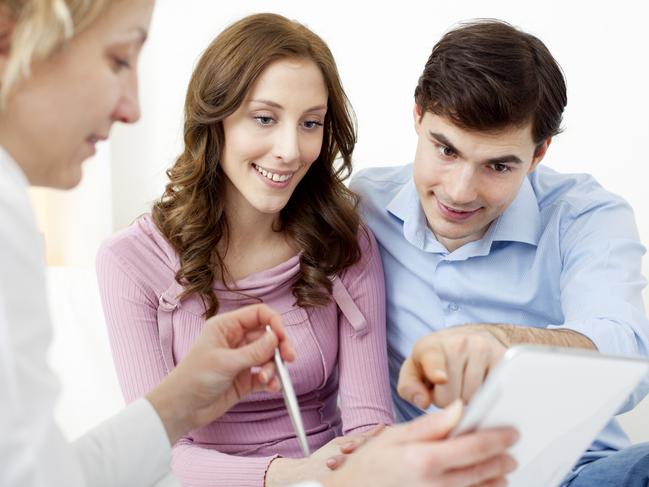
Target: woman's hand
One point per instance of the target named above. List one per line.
(285, 471)
(216, 373)
(350, 443)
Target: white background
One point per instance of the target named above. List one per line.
(381, 48)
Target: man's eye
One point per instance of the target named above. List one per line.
(446, 151)
(500, 167)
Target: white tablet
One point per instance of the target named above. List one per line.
(558, 399)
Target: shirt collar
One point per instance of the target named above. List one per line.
(11, 168)
(405, 206)
(521, 222)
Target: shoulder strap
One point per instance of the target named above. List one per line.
(348, 306)
(167, 303)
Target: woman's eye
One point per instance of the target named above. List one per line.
(264, 121)
(312, 124)
(121, 63)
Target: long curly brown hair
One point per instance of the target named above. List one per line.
(320, 216)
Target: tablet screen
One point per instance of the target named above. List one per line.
(558, 400)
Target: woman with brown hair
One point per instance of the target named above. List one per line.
(256, 211)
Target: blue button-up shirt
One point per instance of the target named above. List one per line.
(564, 254)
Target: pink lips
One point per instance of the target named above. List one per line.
(453, 214)
(92, 142)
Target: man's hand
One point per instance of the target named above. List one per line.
(449, 364)
(418, 454)
(216, 373)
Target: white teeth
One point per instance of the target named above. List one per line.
(279, 178)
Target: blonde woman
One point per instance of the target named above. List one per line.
(67, 73)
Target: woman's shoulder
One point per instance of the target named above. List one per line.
(369, 254)
(366, 240)
(141, 248)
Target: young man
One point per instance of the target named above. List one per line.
(476, 233)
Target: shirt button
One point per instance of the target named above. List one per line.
(453, 307)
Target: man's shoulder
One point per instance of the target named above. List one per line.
(575, 193)
(380, 184)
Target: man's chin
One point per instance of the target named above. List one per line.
(453, 232)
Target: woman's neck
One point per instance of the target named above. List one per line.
(248, 227)
(253, 245)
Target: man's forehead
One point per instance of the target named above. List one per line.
(503, 138)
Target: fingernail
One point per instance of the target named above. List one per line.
(349, 445)
(515, 436)
(269, 336)
(440, 376)
(263, 376)
(454, 410)
(331, 463)
(511, 464)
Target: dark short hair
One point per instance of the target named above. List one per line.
(487, 75)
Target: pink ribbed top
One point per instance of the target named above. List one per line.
(334, 360)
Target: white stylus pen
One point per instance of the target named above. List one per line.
(290, 399)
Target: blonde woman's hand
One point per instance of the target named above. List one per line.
(216, 373)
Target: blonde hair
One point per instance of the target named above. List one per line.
(42, 26)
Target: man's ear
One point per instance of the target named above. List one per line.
(417, 115)
(7, 24)
(539, 153)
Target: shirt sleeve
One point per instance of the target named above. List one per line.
(129, 449)
(601, 283)
(131, 316)
(132, 448)
(364, 390)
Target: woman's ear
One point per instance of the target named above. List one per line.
(7, 24)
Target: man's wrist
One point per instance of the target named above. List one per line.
(499, 332)
(510, 335)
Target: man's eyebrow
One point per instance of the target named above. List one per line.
(442, 139)
(505, 159)
(509, 158)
